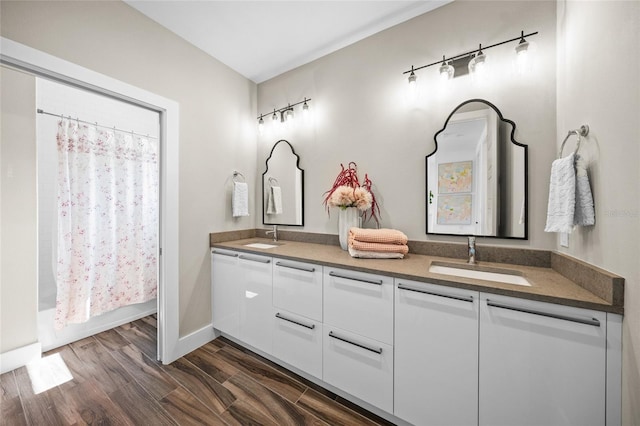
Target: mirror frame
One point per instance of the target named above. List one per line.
(301, 184)
(513, 141)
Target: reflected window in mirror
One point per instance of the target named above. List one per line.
(476, 178)
(282, 187)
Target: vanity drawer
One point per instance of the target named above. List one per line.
(297, 341)
(359, 366)
(359, 302)
(297, 288)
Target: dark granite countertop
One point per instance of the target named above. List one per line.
(592, 288)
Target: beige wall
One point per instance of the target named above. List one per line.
(362, 114)
(217, 110)
(599, 84)
(18, 292)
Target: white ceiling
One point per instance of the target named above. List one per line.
(262, 39)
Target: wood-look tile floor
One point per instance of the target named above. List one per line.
(116, 380)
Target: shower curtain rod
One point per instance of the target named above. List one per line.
(40, 111)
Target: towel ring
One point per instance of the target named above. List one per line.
(582, 131)
(273, 180)
(236, 174)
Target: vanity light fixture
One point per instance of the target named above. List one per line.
(285, 114)
(473, 61)
(261, 125)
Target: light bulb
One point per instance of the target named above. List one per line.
(446, 71)
(261, 125)
(288, 115)
(522, 56)
(478, 65)
(305, 110)
(413, 80)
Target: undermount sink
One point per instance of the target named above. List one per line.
(262, 245)
(486, 273)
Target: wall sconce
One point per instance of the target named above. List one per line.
(283, 115)
(473, 62)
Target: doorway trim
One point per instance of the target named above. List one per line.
(18, 56)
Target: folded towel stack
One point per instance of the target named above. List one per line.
(377, 243)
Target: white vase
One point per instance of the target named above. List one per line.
(347, 219)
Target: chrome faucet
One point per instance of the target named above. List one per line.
(274, 232)
(471, 247)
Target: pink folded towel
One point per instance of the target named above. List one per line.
(385, 236)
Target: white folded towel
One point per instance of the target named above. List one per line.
(240, 199)
(562, 196)
(274, 200)
(584, 213)
(374, 254)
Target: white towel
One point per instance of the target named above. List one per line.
(274, 200)
(584, 213)
(562, 196)
(374, 254)
(240, 199)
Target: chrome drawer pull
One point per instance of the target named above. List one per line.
(310, 327)
(254, 259)
(588, 321)
(226, 254)
(364, 280)
(449, 296)
(299, 268)
(376, 350)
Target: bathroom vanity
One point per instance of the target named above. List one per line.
(421, 347)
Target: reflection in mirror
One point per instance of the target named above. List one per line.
(282, 187)
(477, 175)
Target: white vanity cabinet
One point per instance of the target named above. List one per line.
(359, 302)
(225, 291)
(297, 315)
(540, 363)
(297, 287)
(436, 354)
(256, 308)
(358, 335)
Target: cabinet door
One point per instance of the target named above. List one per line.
(359, 302)
(297, 341)
(359, 366)
(256, 322)
(436, 354)
(297, 287)
(540, 363)
(225, 291)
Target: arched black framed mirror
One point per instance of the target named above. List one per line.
(283, 187)
(477, 176)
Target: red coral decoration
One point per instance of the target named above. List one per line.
(349, 177)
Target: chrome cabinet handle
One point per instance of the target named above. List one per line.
(433, 293)
(254, 259)
(299, 268)
(364, 280)
(225, 254)
(588, 321)
(310, 327)
(360, 345)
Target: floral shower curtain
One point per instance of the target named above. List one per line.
(107, 221)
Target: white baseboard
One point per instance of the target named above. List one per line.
(19, 357)
(192, 341)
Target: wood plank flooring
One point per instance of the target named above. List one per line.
(116, 380)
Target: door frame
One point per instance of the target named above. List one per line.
(18, 56)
